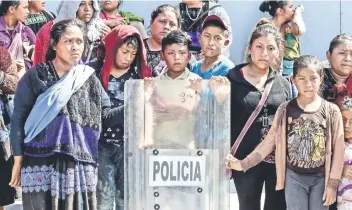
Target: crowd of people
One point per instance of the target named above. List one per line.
(62, 82)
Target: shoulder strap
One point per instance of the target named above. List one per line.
(252, 117)
(202, 15)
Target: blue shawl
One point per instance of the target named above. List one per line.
(49, 104)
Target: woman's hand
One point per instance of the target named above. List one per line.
(104, 30)
(299, 9)
(16, 172)
(233, 163)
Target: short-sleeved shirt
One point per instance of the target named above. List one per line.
(168, 131)
(219, 69)
(292, 45)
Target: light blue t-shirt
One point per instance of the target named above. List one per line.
(220, 69)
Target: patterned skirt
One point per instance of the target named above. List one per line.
(58, 183)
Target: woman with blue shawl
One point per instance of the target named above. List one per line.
(59, 109)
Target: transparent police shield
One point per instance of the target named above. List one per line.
(177, 134)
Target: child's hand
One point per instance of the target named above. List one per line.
(347, 172)
(220, 87)
(233, 163)
(104, 30)
(196, 84)
(329, 196)
(149, 85)
(149, 82)
(118, 22)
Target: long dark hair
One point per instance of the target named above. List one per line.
(56, 32)
(272, 6)
(266, 30)
(6, 4)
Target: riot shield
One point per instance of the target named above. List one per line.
(177, 135)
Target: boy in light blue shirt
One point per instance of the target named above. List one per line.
(213, 38)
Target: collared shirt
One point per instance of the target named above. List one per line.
(6, 38)
(167, 134)
(187, 74)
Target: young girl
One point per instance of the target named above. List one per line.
(344, 199)
(12, 15)
(337, 82)
(249, 80)
(164, 19)
(307, 134)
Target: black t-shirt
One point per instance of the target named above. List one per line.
(306, 138)
(116, 94)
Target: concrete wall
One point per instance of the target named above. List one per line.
(324, 20)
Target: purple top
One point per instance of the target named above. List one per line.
(6, 37)
(65, 136)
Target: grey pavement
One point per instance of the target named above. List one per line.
(233, 205)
